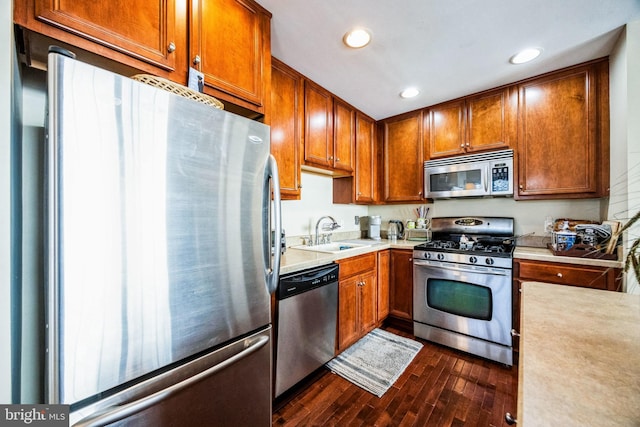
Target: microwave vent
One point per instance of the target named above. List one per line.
(471, 158)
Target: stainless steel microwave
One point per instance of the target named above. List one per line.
(474, 175)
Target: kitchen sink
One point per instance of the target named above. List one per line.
(331, 248)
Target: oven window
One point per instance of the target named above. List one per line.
(460, 298)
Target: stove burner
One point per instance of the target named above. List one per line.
(471, 246)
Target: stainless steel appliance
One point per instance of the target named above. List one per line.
(475, 175)
(307, 312)
(159, 265)
(371, 226)
(462, 286)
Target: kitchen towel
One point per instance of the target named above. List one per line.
(376, 361)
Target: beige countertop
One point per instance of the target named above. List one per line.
(579, 357)
(296, 259)
(544, 254)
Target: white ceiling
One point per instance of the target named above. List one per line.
(447, 48)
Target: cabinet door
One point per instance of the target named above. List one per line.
(402, 158)
(230, 44)
(141, 29)
(491, 120)
(287, 95)
(343, 135)
(318, 125)
(446, 129)
(364, 162)
(348, 312)
(383, 285)
(557, 140)
(368, 302)
(401, 284)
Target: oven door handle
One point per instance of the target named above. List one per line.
(493, 271)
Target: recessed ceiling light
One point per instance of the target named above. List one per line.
(410, 92)
(357, 38)
(526, 55)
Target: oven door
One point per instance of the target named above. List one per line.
(466, 299)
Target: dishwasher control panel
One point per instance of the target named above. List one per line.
(303, 281)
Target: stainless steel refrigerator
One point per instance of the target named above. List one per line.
(159, 261)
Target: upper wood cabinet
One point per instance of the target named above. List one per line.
(287, 97)
(343, 135)
(486, 121)
(361, 186)
(563, 142)
(230, 43)
(318, 125)
(149, 36)
(365, 170)
(329, 130)
(402, 158)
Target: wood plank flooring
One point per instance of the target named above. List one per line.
(441, 387)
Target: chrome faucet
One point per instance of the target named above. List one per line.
(326, 227)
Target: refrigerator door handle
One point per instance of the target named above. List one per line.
(116, 413)
(272, 183)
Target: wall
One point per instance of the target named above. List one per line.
(299, 217)
(6, 73)
(625, 134)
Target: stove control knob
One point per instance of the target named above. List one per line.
(489, 261)
(427, 255)
(440, 257)
(473, 260)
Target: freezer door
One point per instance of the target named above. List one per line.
(228, 387)
(157, 229)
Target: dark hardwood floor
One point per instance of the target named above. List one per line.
(441, 387)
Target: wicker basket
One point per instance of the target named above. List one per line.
(183, 91)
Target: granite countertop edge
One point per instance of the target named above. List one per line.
(295, 260)
(544, 254)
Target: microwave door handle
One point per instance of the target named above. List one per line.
(486, 179)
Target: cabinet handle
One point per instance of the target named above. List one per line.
(521, 186)
(171, 48)
(419, 193)
(330, 157)
(468, 145)
(359, 193)
(509, 419)
(410, 259)
(514, 333)
(462, 145)
(337, 159)
(559, 274)
(299, 185)
(196, 60)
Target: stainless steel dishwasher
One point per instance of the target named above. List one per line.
(307, 313)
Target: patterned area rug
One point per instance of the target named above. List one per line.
(376, 361)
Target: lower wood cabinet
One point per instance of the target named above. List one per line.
(401, 286)
(384, 258)
(357, 299)
(586, 276)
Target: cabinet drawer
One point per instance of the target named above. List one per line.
(357, 265)
(592, 277)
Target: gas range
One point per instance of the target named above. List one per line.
(486, 241)
(462, 286)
